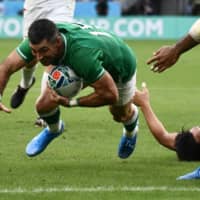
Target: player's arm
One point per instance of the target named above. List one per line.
(156, 127)
(88, 64)
(167, 56)
(10, 65)
(105, 93)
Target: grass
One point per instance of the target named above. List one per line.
(83, 162)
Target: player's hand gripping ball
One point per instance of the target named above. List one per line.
(64, 81)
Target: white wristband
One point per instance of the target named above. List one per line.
(73, 103)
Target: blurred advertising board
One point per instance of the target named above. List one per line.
(134, 27)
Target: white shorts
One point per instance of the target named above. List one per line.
(56, 14)
(126, 91)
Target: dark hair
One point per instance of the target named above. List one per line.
(42, 29)
(186, 147)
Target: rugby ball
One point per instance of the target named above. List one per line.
(64, 81)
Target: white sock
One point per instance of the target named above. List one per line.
(53, 116)
(55, 128)
(27, 77)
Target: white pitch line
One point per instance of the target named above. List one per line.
(102, 189)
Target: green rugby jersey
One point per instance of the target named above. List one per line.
(90, 51)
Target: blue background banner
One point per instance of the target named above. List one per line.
(136, 28)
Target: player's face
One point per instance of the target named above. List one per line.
(47, 52)
(196, 133)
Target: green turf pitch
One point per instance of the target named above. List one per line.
(82, 164)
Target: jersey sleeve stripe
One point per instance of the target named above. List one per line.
(100, 75)
(21, 53)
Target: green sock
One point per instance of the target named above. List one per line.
(53, 120)
(131, 126)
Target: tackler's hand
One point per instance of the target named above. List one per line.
(163, 58)
(4, 108)
(141, 97)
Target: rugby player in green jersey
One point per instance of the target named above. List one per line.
(101, 59)
(57, 11)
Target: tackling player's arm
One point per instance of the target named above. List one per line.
(156, 127)
(10, 65)
(167, 56)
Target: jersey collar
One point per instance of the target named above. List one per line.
(61, 61)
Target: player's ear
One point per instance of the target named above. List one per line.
(59, 40)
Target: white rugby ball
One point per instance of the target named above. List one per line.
(64, 81)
